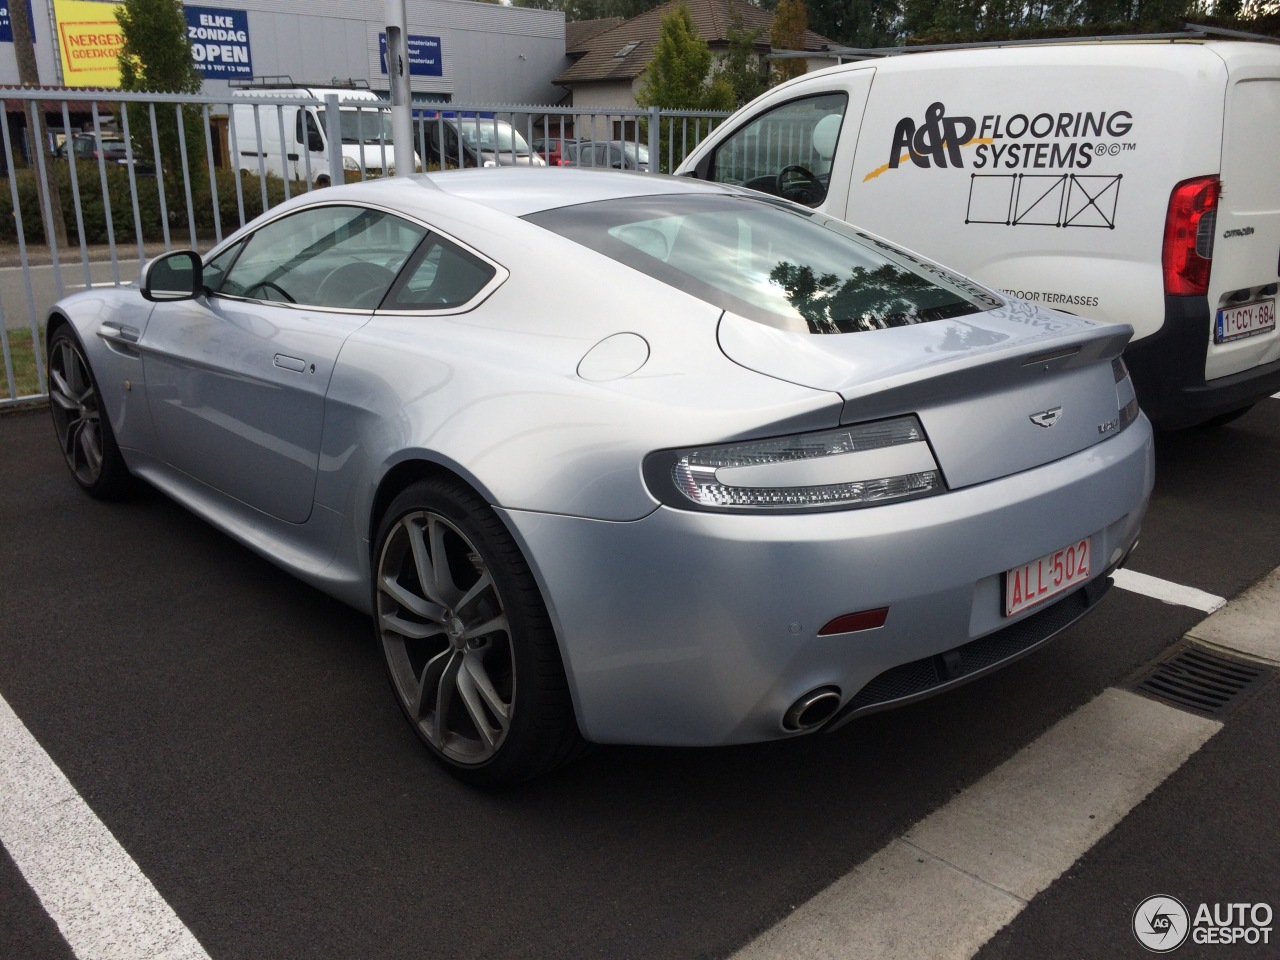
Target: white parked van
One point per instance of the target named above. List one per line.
(288, 140)
(1120, 180)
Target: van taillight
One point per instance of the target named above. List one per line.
(1188, 236)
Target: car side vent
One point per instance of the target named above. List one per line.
(1201, 680)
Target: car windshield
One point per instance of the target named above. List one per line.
(492, 135)
(371, 125)
(770, 261)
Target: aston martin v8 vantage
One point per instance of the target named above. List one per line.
(617, 458)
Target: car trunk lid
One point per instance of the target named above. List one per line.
(998, 392)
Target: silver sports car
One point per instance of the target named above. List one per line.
(617, 458)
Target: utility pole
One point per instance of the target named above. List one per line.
(398, 74)
(24, 50)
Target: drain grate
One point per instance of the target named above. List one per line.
(1205, 681)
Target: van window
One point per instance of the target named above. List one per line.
(492, 136)
(333, 256)
(452, 150)
(307, 131)
(787, 151)
(365, 125)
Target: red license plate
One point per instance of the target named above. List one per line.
(1039, 580)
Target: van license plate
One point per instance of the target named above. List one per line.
(1245, 321)
(1037, 581)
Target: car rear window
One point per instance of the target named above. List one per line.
(770, 261)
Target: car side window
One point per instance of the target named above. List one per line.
(306, 132)
(786, 151)
(342, 257)
(449, 150)
(215, 270)
(441, 275)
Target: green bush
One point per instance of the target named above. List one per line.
(148, 221)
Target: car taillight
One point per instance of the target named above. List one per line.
(855, 466)
(1126, 397)
(1188, 236)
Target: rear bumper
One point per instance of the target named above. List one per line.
(700, 629)
(1168, 370)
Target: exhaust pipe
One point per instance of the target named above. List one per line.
(812, 710)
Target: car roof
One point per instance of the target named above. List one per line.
(518, 191)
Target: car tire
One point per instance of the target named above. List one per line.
(469, 648)
(82, 427)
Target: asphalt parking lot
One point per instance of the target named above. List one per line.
(233, 730)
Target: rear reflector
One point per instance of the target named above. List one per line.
(1188, 236)
(853, 622)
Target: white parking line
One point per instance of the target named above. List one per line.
(1247, 624)
(967, 870)
(102, 903)
(1163, 590)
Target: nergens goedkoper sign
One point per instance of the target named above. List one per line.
(90, 40)
(89, 43)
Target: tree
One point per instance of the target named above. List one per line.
(676, 77)
(789, 27)
(156, 58)
(741, 67)
(858, 23)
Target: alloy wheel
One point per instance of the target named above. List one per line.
(446, 637)
(77, 415)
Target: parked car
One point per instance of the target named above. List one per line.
(771, 472)
(452, 142)
(553, 149)
(614, 155)
(87, 146)
(1118, 179)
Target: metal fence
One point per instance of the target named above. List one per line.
(124, 177)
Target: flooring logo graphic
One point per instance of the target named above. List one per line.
(1161, 923)
(1047, 200)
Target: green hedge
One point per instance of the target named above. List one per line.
(122, 217)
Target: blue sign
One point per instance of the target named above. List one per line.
(6, 25)
(424, 56)
(219, 41)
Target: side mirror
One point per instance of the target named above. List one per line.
(173, 276)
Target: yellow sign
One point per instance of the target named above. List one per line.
(90, 41)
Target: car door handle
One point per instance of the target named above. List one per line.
(290, 363)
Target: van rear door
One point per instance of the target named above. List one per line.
(1246, 250)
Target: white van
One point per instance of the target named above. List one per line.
(1121, 180)
(303, 153)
